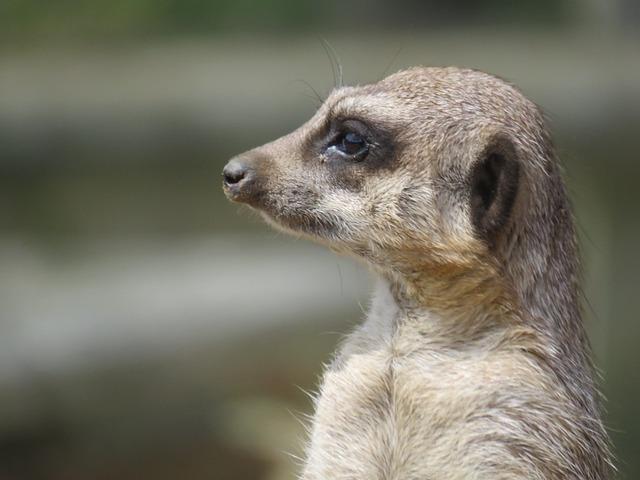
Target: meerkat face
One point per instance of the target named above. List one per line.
(418, 168)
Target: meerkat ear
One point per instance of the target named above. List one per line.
(494, 185)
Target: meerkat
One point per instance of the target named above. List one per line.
(472, 362)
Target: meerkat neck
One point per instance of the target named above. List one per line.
(546, 269)
(434, 309)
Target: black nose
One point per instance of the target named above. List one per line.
(239, 178)
(235, 171)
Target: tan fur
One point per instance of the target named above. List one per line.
(473, 361)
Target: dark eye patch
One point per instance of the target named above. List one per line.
(349, 142)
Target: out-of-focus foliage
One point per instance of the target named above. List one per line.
(73, 18)
(111, 18)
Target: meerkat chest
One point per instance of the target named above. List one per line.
(377, 416)
(394, 411)
(352, 421)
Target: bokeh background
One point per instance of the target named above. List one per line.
(151, 329)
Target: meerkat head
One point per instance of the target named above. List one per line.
(420, 172)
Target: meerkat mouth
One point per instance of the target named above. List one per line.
(311, 226)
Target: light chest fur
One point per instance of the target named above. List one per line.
(401, 402)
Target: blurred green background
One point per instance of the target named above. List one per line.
(151, 329)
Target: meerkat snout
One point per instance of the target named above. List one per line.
(473, 359)
(234, 173)
(238, 178)
(244, 178)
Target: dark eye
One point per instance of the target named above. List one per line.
(353, 145)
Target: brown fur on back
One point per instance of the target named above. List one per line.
(472, 362)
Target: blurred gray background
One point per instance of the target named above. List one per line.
(151, 329)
